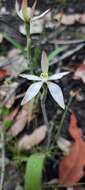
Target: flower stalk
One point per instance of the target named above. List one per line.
(65, 113)
(26, 14)
(27, 28)
(43, 99)
(44, 112)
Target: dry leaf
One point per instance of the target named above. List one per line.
(80, 73)
(10, 101)
(20, 121)
(13, 53)
(71, 167)
(7, 90)
(7, 93)
(15, 63)
(70, 18)
(28, 141)
(4, 73)
(82, 19)
(24, 116)
(67, 20)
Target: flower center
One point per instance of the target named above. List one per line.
(44, 76)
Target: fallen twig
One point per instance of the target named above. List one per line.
(68, 42)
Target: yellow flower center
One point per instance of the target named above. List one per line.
(44, 76)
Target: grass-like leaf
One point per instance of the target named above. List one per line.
(56, 52)
(33, 176)
(14, 43)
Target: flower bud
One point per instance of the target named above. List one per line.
(26, 11)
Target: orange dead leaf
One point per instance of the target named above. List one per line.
(4, 73)
(74, 131)
(71, 167)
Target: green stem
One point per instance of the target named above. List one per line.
(43, 99)
(64, 116)
(27, 28)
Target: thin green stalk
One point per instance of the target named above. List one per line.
(27, 28)
(64, 116)
(43, 99)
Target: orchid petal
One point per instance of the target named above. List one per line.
(20, 14)
(40, 16)
(44, 62)
(18, 11)
(56, 93)
(17, 8)
(30, 77)
(58, 76)
(32, 92)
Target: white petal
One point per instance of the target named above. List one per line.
(22, 29)
(40, 16)
(18, 11)
(30, 77)
(20, 14)
(31, 92)
(17, 7)
(56, 93)
(44, 62)
(58, 76)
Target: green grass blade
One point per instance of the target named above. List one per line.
(14, 43)
(56, 52)
(33, 176)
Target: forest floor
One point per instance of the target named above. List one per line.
(61, 33)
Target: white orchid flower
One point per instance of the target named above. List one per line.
(54, 89)
(26, 13)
